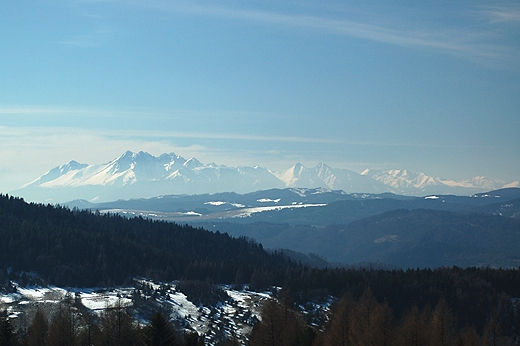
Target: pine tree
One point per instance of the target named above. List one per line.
(160, 332)
(7, 335)
(193, 339)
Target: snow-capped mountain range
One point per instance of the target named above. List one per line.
(141, 175)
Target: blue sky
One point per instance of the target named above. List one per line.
(424, 86)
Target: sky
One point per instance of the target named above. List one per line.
(431, 87)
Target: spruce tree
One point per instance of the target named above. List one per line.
(160, 332)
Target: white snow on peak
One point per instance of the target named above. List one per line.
(192, 163)
(299, 176)
(403, 179)
(56, 172)
(150, 176)
(480, 182)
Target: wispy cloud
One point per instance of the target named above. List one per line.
(501, 13)
(82, 41)
(31, 110)
(149, 134)
(469, 42)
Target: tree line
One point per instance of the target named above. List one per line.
(115, 326)
(363, 322)
(369, 322)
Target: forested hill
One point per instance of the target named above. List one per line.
(79, 248)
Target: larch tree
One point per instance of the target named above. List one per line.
(37, 334)
(338, 331)
(413, 330)
(442, 325)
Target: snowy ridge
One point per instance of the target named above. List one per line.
(141, 175)
(402, 179)
(481, 182)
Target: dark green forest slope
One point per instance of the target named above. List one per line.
(80, 248)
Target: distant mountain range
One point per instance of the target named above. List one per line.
(142, 175)
(403, 231)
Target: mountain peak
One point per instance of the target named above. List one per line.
(57, 172)
(72, 165)
(192, 163)
(169, 156)
(127, 154)
(141, 175)
(323, 168)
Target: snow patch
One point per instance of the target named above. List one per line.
(216, 203)
(247, 212)
(192, 213)
(268, 200)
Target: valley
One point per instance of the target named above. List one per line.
(346, 229)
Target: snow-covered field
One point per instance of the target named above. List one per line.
(240, 212)
(234, 316)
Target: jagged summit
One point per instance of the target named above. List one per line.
(403, 179)
(192, 163)
(140, 175)
(56, 172)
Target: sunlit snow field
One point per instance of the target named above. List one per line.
(233, 317)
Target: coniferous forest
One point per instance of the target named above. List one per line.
(437, 306)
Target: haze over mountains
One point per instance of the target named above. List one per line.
(142, 175)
